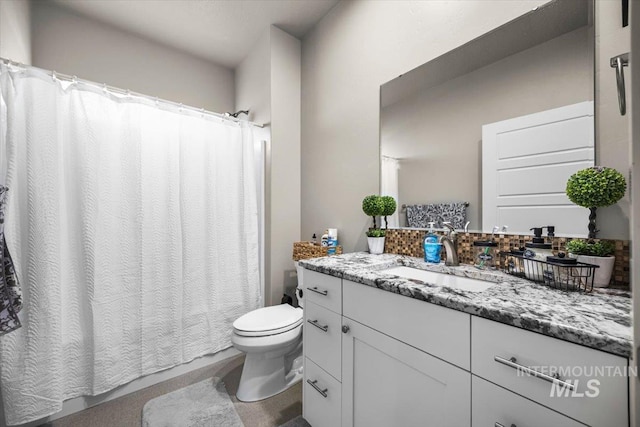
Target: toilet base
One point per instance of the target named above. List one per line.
(263, 376)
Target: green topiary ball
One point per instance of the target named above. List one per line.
(389, 205)
(596, 187)
(372, 205)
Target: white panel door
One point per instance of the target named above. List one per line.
(526, 162)
(388, 383)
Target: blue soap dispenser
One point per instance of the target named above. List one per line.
(432, 247)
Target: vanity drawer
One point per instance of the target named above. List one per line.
(323, 290)
(494, 406)
(321, 395)
(502, 354)
(436, 330)
(322, 338)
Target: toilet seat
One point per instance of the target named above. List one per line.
(266, 321)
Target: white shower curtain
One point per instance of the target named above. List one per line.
(135, 235)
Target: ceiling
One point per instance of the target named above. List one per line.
(221, 31)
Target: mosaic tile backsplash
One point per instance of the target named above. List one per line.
(409, 242)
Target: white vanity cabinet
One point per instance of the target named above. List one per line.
(376, 358)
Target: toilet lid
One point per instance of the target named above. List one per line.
(268, 320)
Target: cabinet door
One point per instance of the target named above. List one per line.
(388, 383)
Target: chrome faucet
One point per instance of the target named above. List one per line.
(450, 243)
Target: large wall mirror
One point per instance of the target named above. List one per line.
(521, 98)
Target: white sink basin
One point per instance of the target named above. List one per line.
(440, 279)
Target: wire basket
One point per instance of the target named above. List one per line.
(567, 277)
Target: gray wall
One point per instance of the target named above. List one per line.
(268, 83)
(612, 129)
(15, 30)
(253, 81)
(285, 160)
(75, 45)
(355, 48)
(438, 131)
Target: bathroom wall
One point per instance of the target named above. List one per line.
(76, 45)
(253, 81)
(285, 160)
(268, 83)
(355, 48)
(612, 129)
(443, 124)
(15, 30)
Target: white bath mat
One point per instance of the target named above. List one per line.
(204, 404)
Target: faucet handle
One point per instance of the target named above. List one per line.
(448, 225)
(451, 229)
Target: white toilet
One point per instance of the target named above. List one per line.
(272, 339)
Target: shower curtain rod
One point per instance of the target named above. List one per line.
(128, 93)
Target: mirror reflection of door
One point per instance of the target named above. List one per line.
(526, 162)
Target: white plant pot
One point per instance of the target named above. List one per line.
(603, 274)
(376, 245)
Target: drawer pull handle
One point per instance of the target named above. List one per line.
(512, 363)
(319, 291)
(318, 389)
(497, 424)
(324, 328)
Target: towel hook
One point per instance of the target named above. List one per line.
(619, 62)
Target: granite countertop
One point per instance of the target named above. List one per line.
(600, 319)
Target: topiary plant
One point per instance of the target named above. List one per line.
(376, 232)
(582, 247)
(373, 207)
(389, 208)
(595, 187)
